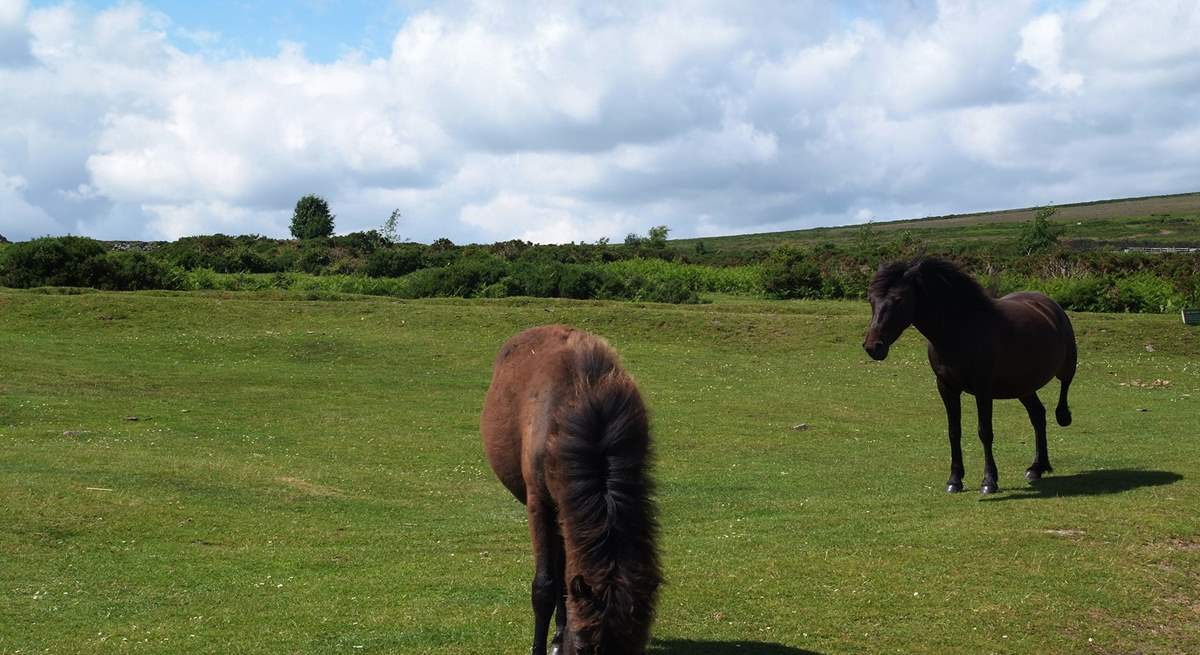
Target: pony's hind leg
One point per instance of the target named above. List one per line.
(547, 580)
(1037, 417)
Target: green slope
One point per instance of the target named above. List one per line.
(1150, 221)
(307, 477)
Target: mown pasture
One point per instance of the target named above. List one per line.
(306, 477)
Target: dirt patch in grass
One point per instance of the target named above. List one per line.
(1189, 544)
(1064, 532)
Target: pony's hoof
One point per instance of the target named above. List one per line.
(989, 488)
(555, 649)
(1063, 416)
(953, 487)
(1033, 474)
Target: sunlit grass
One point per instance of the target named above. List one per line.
(306, 476)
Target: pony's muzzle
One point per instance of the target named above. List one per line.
(878, 350)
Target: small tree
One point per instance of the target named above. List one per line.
(1039, 234)
(391, 227)
(632, 239)
(866, 239)
(658, 236)
(311, 219)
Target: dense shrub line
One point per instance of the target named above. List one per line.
(81, 262)
(475, 278)
(367, 263)
(1079, 281)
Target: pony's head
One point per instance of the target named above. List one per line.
(609, 618)
(893, 296)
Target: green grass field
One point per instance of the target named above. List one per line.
(306, 477)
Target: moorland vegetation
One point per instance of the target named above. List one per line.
(1083, 264)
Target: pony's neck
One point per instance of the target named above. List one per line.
(941, 319)
(931, 323)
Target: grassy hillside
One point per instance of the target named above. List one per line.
(219, 473)
(1152, 221)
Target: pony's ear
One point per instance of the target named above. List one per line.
(914, 269)
(580, 588)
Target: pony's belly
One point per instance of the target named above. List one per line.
(1021, 385)
(1007, 382)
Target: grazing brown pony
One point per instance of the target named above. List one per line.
(565, 430)
(991, 348)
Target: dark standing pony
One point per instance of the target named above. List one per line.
(565, 430)
(1005, 348)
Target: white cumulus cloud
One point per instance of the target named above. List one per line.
(576, 121)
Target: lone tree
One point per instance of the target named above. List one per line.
(657, 236)
(311, 219)
(391, 227)
(1039, 234)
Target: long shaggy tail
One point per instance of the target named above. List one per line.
(1062, 413)
(603, 455)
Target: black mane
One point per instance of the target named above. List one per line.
(937, 280)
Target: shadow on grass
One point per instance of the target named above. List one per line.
(689, 647)
(1091, 483)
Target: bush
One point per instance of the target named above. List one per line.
(53, 261)
(313, 258)
(135, 271)
(789, 273)
(464, 278)
(467, 276)
(1080, 294)
(360, 243)
(670, 290)
(580, 281)
(82, 262)
(393, 262)
(1146, 292)
(425, 283)
(539, 279)
(1140, 292)
(244, 260)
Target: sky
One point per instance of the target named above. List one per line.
(574, 121)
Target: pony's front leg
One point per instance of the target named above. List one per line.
(952, 398)
(991, 477)
(547, 585)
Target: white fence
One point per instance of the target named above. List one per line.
(1162, 250)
